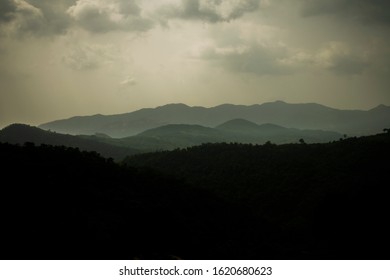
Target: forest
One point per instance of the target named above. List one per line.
(212, 201)
(330, 200)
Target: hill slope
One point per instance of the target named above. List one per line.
(170, 137)
(328, 197)
(167, 137)
(243, 131)
(20, 133)
(65, 204)
(175, 136)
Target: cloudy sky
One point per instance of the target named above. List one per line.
(65, 57)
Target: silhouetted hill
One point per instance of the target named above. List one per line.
(243, 131)
(238, 125)
(301, 116)
(331, 199)
(179, 136)
(184, 129)
(60, 203)
(167, 137)
(172, 136)
(20, 134)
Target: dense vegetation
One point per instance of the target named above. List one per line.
(331, 199)
(224, 201)
(60, 203)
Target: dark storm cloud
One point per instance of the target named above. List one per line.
(57, 21)
(211, 10)
(7, 10)
(36, 17)
(44, 17)
(365, 11)
(105, 16)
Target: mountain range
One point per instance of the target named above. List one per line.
(167, 137)
(173, 136)
(180, 126)
(300, 116)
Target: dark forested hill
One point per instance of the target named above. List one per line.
(60, 203)
(301, 116)
(332, 199)
(20, 133)
(224, 201)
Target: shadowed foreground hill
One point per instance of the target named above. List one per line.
(60, 203)
(224, 201)
(331, 199)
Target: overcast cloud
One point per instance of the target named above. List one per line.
(210, 10)
(368, 12)
(67, 57)
(109, 15)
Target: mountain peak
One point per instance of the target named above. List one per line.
(380, 107)
(18, 127)
(173, 105)
(14, 133)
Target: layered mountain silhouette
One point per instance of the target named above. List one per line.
(300, 116)
(173, 136)
(222, 199)
(248, 132)
(167, 137)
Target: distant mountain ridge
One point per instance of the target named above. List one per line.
(301, 116)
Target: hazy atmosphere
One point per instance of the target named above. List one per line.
(64, 58)
(195, 129)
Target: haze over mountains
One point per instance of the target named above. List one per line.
(180, 126)
(299, 116)
(173, 136)
(167, 137)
